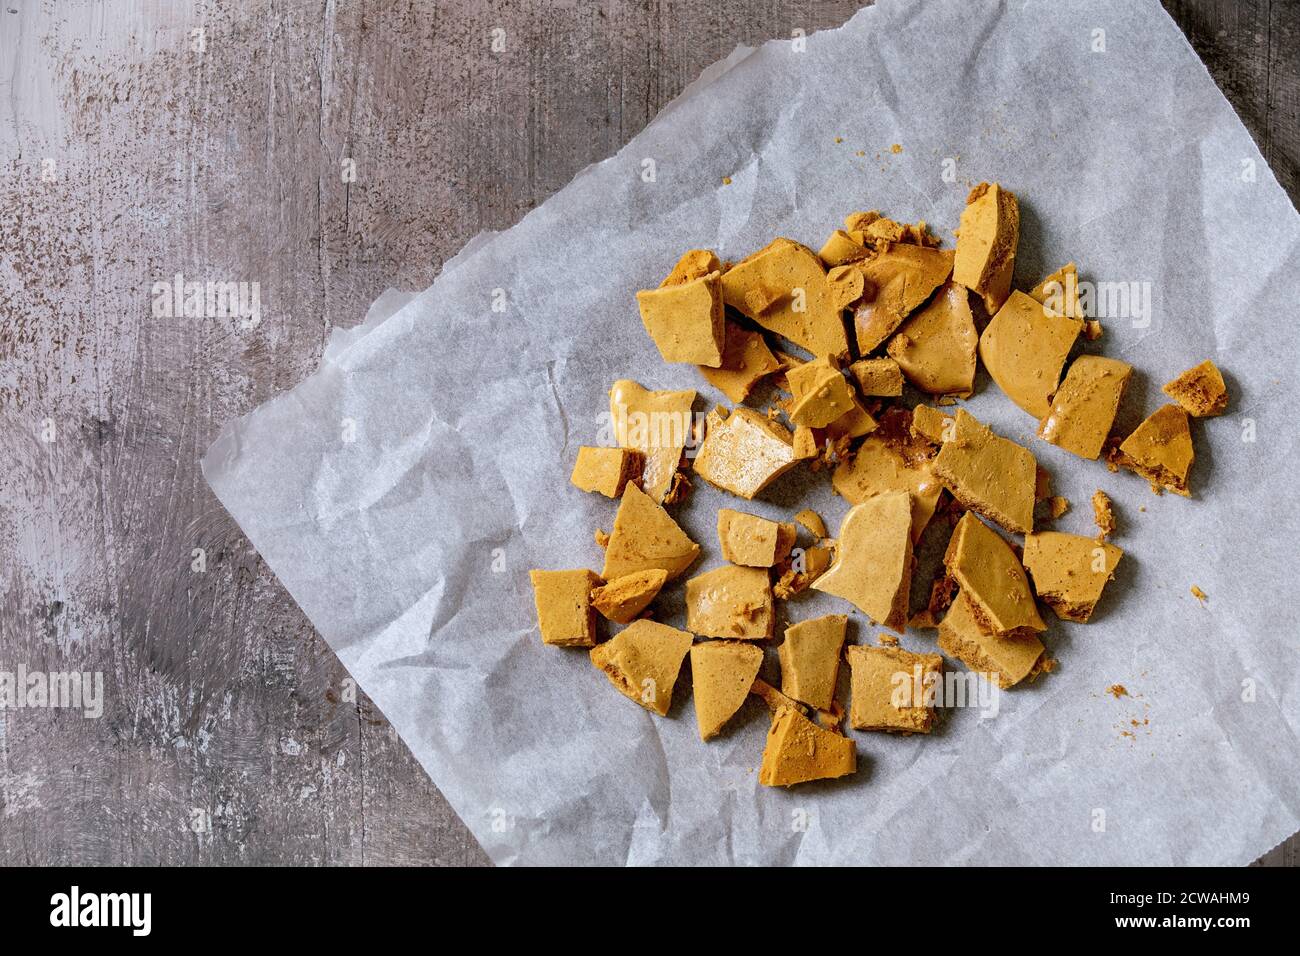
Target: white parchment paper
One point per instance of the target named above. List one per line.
(409, 545)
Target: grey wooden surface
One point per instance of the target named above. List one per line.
(133, 148)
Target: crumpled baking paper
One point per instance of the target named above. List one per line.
(403, 492)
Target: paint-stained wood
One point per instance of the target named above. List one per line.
(144, 138)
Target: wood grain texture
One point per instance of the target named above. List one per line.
(131, 152)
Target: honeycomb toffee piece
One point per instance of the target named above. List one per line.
(797, 751)
(743, 452)
(931, 425)
(893, 689)
(810, 659)
(1059, 292)
(873, 559)
(898, 278)
(1009, 660)
(730, 601)
(746, 360)
(622, 599)
(694, 264)
(753, 542)
(723, 673)
(644, 537)
(820, 393)
(936, 347)
(564, 611)
(1160, 450)
(871, 229)
(784, 287)
(983, 563)
(812, 521)
(1024, 347)
(854, 423)
(1103, 514)
(797, 573)
(1199, 390)
(986, 243)
(1070, 571)
(988, 474)
(643, 661)
(1083, 408)
(685, 320)
(892, 459)
(606, 470)
(657, 424)
(878, 377)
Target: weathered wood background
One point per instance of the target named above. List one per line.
(134, 147)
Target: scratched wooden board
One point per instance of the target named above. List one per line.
(132, 149)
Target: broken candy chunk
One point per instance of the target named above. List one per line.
(723, 673)
(989, 474)
(797, 751)
(644, 537)
(812, 521)
(892, 459)
(893, 689)
(730, 601)
(657, 424)
(878, 377)
(622, 599)
(1199, 390)
(991, 576)
(936, 347)
(841, 248)
(852, 424)
(605, 470)
(1102, 514)
(810, 659)
(643, 661)
(1160, 450)
(1024, 347)
(694, 264)
(986, 243)
(784, 288)
(932, 425)
(1083, 408)
(898, 278)
(751, 541)
(744, 452)
(564, 612)
(796, 574)
(873, 559)
(1070, 571)
(686, 321)
(745, 360)
(1009, 659)
(820, 393)
(1060, 292)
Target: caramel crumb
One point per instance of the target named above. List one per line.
(1103, 515)
(896, 148)
(726, 180)
(1117, 691)
(1057, 506)
(602, 537)
(887, 640)
(1199, 594)
(839, 139)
